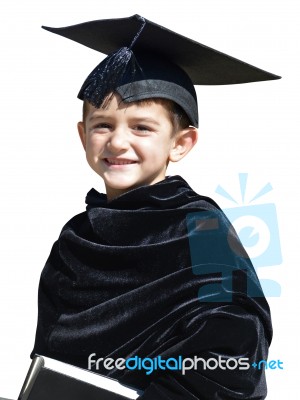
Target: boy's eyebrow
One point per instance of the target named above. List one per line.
(135, 119)
(145, 119)
(96, 116)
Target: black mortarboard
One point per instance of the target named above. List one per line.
(147, 60)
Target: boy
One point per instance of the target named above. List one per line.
(123, 280)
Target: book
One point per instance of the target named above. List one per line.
(49, 379)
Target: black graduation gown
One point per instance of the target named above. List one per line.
(128, 278)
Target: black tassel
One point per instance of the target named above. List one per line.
(110, 73)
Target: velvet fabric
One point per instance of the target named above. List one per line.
(120, 282)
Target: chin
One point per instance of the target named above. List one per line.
(127, 183)
(121, 184)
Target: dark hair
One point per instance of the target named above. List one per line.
(178, 116)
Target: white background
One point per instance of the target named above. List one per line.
(251, 128)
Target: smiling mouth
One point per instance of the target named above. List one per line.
(118, 161)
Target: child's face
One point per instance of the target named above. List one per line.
(128, 145)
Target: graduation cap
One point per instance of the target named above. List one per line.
(146, 60)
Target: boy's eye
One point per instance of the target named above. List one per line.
(103, 127)
(142, 128)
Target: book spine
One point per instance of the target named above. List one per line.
(34, 369)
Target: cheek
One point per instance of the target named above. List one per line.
(94, 144)
(155, 147)
(155, 156)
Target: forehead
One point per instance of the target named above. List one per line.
(114, 104)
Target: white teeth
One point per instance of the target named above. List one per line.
(119, 162)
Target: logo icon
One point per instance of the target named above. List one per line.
(215, 249)
(257, 228)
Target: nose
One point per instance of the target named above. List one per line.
(119, 140)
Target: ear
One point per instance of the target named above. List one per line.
(82, 134)
(184, 141)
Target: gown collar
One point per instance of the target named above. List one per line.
(171, 192)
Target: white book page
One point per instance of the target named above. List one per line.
(90, 377)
